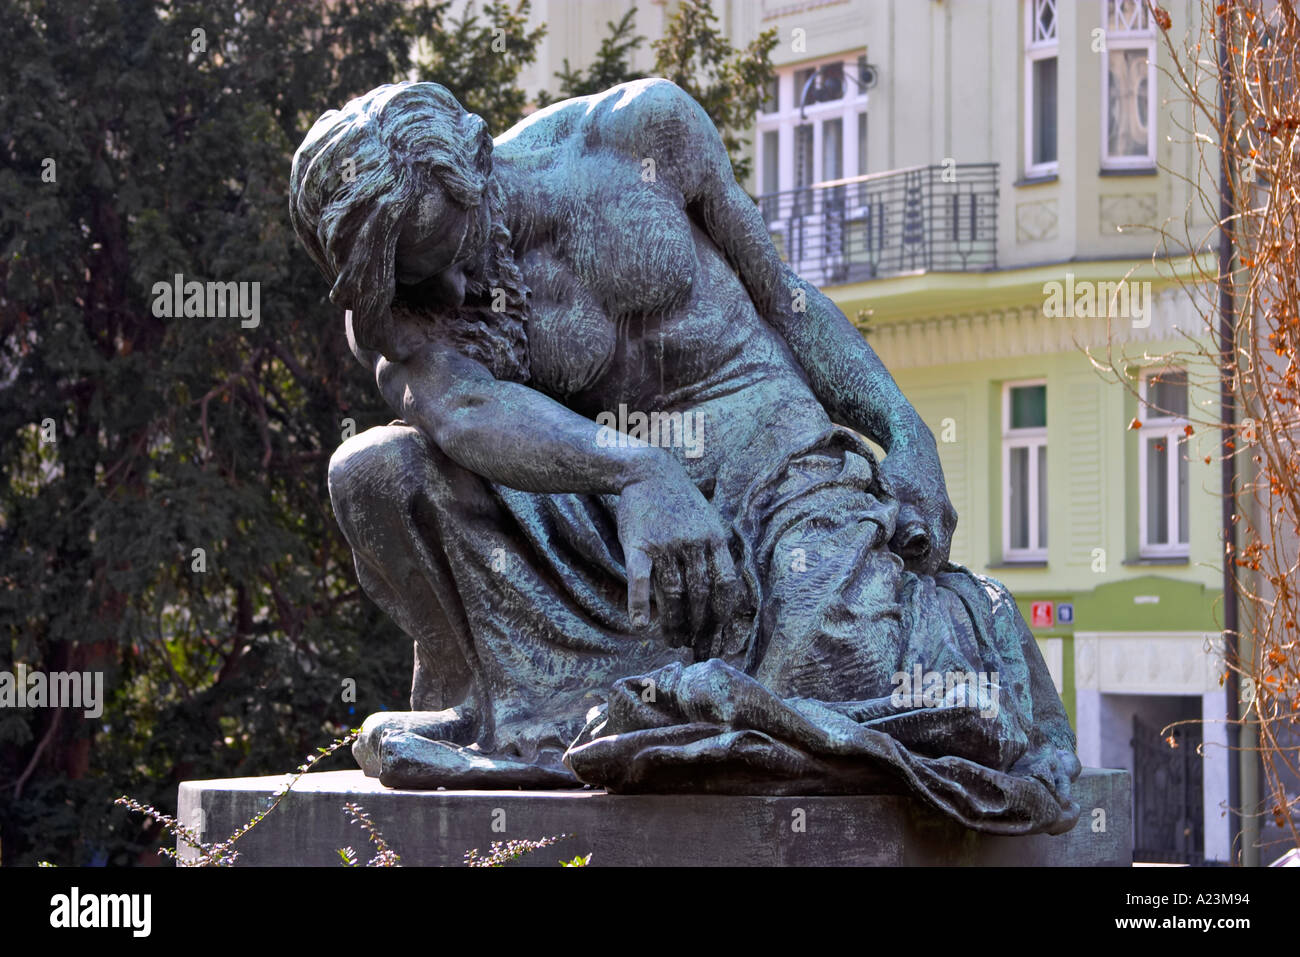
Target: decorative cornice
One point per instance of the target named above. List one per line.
(791, 9)
(1019, 331)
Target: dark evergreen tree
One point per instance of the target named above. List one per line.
(728, 82)
(143, 139)
(613, 64)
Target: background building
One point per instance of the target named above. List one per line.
(968, 180)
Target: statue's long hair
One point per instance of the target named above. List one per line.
(360, 172)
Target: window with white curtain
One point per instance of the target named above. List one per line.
(1128, 84)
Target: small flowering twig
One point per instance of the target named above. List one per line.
(503, 852)
(221, 854)
(385, 856)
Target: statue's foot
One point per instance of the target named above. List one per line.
(457, 725)
(411, 761)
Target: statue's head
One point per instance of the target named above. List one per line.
(391, 198)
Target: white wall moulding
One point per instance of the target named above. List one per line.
(1053, 650)
(1152, 662)
(1036, 221)
(1122, 212)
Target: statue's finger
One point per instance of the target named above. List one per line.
(696, 567)
(639, 567)
(670, 593)
(726, 582)
(721, 556)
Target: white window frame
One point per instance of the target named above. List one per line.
(1035, 50)
(1143, 38)
(1172, 429)
(787, 117)
(1032, 439)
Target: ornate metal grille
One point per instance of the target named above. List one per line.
(922, 218)
(1168, 803)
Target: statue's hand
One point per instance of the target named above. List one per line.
(926, 518)
(674, 539)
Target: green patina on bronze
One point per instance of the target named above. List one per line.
(725, 611)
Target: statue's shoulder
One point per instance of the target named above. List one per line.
(652, 100)
(627, 109)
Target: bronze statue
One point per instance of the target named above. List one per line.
(627, 515)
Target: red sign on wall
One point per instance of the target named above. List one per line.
(1040, 615)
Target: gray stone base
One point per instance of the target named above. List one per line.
(432, 828)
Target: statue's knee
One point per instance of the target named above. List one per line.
(371, 469)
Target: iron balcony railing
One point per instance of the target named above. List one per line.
(922, 218)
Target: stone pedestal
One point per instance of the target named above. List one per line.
(433, 828)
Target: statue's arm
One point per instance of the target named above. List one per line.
(504, 431)
(507, 432)
(516, 436)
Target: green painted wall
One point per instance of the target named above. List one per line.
(1091, 474)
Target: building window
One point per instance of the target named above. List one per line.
(771, 163)
(1041, 46)
(807, 124)
(1128, 83)
(1162, 464)
(812, 131)
(1024, 471)
(862, 143)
